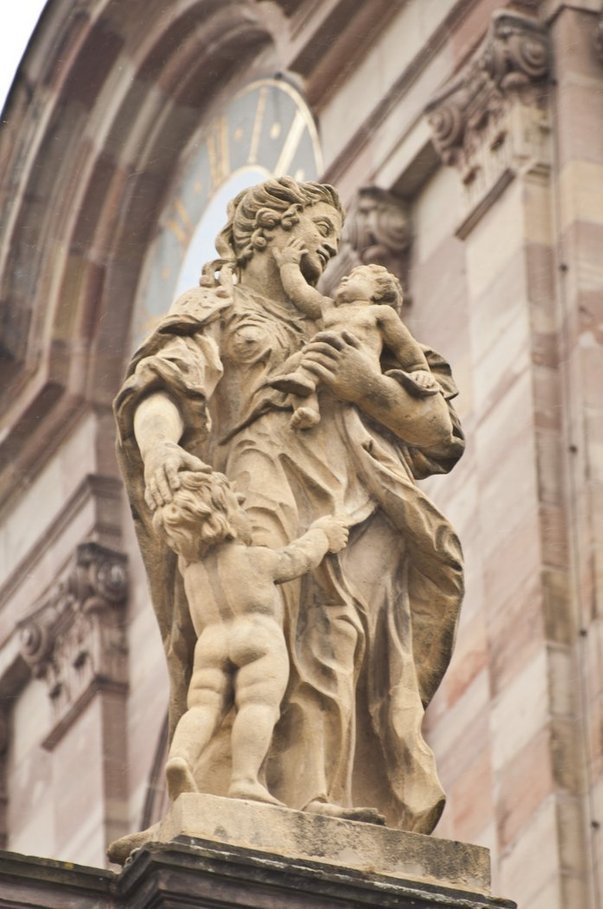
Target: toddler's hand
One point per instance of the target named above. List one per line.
(291, 254)
(424, 378)
(336, 530)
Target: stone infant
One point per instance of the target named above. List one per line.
(240, 653)
(364, 305)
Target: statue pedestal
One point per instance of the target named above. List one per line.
(206, 874)
(195, 872)
(305, 837)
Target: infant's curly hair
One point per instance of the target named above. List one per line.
(389, 289)
(200, 513)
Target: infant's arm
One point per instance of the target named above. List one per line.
(328, 534)
(398, 339)
(305, 297)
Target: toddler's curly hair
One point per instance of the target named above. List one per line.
(389, 289)
(200, 513)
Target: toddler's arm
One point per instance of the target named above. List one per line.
(398, 339)
(305, 297)
(328, 534)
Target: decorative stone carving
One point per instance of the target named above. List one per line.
(74, 639)
(492, 119)
(599, 35)
(376, 230)
(307, 599)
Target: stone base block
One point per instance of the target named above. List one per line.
(210, 876)
(299, 835)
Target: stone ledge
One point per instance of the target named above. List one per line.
(209, 876)
(27, 881)
(205, 874)
(299, 835)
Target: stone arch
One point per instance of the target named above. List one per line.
(97, 118)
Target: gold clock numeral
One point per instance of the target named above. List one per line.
(218, 152)
(290, 145)
(180, 224)
(257, 125)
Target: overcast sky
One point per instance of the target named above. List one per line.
(17, 22)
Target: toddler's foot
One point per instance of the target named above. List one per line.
(294, 383)
(253, 791)
(304, 418)
(179, 777)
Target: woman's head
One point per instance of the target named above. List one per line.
(256, 214)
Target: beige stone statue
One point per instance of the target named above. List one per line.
(241, 652)
(375, 328)
(369, 630)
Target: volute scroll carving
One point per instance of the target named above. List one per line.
(513, 63)
(74, 638)
(599, 35)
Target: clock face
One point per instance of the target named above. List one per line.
(264, 131)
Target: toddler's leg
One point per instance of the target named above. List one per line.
(301, 382)
(260, 687)
(207, 703)
(307, 414)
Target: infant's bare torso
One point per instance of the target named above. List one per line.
(362, 319)
(233, 582)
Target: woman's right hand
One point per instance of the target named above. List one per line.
(162, 465)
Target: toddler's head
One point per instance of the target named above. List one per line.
(373, 283)
(204, 512)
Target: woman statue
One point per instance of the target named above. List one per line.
(370, 631)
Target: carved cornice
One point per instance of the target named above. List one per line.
(74, 639)
(376, 230)
(512, 64)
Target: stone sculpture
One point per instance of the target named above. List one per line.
(368, 631)
(241, 652)
(373, 329)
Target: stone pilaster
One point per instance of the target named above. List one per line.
(492, 124)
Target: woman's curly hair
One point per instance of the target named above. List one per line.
(200, 511)
(253, 214)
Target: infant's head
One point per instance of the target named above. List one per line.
(372, 283)
(204, 512)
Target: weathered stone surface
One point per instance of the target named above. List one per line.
(299, 835)
(271, 470)
(203, 874)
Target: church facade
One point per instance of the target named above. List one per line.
(464, 137)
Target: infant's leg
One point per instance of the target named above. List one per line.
(301, 382)
(260, 687)
(207, 703)
(306, 414)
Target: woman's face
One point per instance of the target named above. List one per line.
(319, 228)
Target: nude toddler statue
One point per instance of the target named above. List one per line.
(365, 305)
(240, 655)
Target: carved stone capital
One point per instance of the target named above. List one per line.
(74, 638)
(491, 122)
(376, 230)
(512, 64)
(599, 35)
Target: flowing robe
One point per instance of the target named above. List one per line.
(370, 632)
